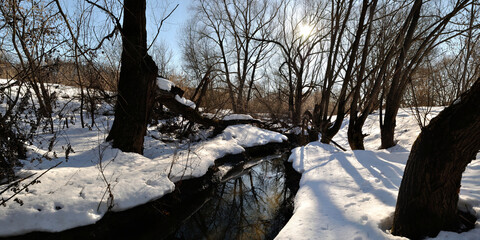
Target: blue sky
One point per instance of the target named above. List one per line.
(170, 32)
(156, 10)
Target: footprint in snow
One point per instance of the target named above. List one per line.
(58, 206)
(349, 205)
(38, 207)
(364, 219)
(350, 195)
(365, 199)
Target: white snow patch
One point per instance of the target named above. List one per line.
(185, 101)
(164, 84)
(72, 194)
(249, 136)
(237, 117)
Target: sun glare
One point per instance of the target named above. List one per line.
(305, 30)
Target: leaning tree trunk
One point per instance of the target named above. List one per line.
(137, 80)
(428, 196)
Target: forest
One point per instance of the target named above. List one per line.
(282, 119)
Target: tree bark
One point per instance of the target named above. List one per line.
(356, 136)
(136, 84)
(330, 132)
(428, 195)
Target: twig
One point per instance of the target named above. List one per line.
(29, 184)
(108, 190)
(161, 24)
(338, 145)
(16, 182)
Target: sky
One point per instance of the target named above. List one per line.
(156, 11)
(171, 29)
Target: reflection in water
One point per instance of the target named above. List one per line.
(252, 206)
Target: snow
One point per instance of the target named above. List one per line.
(342, 195)
(248, 136)
(237, 117)
(76, 192)
(185, 101)
(352, 194)
(71, 194)
(164, 84)
(195, 160)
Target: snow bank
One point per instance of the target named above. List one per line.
(75, 193)
(237, 117)
(352, 195)
(343, 195)
(195, 160)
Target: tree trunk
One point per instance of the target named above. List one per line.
(387, 129)
(355, 125)
(356, 136)
(137, 80)
(397, 88)
(297, 115)
(428, 196)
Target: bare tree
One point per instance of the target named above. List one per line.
(162, 55)
(231, 26)
(409, 60)
(33, 29)
(201, 64)
(300, 39)
(355, 135)
(378, 53)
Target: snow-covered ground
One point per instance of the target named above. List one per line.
(93, 177)
(343, 195)
(75, 193)
(352, 195)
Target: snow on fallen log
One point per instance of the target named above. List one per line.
(171, 96)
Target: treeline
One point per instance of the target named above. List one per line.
(348, 57)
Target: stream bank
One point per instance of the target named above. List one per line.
(161, 218)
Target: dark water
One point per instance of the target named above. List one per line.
(251, 202)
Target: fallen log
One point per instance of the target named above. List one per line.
(170, 99)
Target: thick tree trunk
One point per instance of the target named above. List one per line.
(356, 136)
(387, 129)
(137, 80)
(428, 196)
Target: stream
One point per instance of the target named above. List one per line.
(250, 202)
(243, 196)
